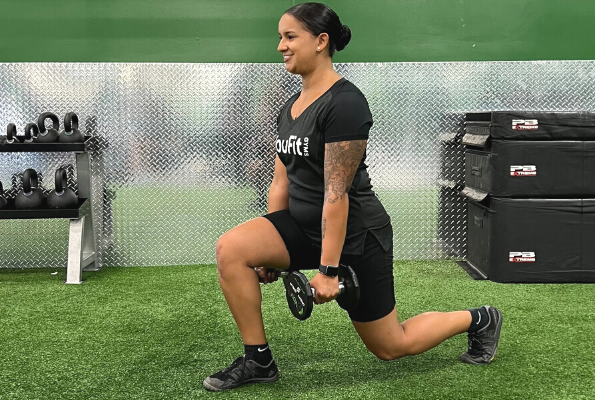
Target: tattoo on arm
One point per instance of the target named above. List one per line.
(341, 162)
(322, 233)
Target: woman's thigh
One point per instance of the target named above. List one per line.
(374, 271)
(383, 337)
(256, 242)
(303, 254)
(375, 318)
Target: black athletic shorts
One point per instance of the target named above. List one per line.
(374, 268)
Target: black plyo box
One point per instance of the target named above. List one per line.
(535, 169)
(532, 240)
(528, 125)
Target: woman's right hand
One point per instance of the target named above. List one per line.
(266, 275)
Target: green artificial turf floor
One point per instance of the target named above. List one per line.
(156, 332)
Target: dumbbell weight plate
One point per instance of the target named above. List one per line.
(299, 295)
(349, 300)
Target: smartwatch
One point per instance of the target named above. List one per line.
(329, 270)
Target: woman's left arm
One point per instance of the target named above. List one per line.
(341, 162)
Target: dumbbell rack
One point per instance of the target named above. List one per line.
(82, 241)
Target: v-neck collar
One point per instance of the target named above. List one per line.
(289, 113)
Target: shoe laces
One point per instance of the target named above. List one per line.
(476, 348)
(234, 370)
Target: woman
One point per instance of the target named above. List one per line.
(321, 209)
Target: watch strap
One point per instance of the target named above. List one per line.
(329, 270)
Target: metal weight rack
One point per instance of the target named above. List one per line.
(82, 243)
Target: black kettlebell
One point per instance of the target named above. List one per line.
(71, 133)
(50, 135)
(29, 136)
(3, 201)
(62, 196)
(11, 134)
(31, 196)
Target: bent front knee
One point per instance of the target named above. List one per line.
(223, 256)
(387, 354)
(229, 258)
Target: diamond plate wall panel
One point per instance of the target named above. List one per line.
(452, 213)
(186, 150)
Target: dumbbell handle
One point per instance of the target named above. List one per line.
(340, 286)
(314, 292)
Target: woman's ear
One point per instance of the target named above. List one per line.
(323, 40)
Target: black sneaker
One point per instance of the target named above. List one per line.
(484, 343)
(242, 371)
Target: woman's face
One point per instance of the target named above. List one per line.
(298, 46)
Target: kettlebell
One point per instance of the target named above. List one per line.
(50, 135)
(31, 196)
(29, 137)
(62, 196)
(71, 133)
(11, 134)
(3, 201)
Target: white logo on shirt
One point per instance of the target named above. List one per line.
(293, 145)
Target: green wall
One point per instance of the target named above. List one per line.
(246, 30)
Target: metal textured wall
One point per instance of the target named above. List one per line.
(187, 150)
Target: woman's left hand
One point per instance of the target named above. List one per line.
(327, 288)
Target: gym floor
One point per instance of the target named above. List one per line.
(157, 332)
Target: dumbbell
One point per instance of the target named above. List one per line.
(300, 295)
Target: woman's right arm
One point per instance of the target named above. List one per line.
(278, 192)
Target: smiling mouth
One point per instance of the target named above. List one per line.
(286, 58)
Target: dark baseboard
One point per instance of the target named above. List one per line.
(472, 271)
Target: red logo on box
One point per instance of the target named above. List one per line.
(523, 170)
(524, 124)
(521, 257)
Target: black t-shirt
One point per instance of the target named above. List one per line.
(341, 113)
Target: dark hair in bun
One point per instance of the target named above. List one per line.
(318, 18)
(345, 37)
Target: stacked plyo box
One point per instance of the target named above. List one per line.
(529, 180)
